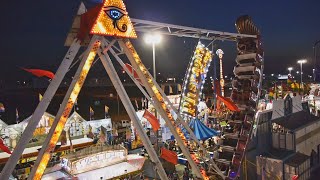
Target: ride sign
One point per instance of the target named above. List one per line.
(96, 161)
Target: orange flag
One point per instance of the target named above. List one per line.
(152, 119)
(169, 156)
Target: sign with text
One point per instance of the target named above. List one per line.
(97, 160)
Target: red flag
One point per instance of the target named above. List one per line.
(152, 119)
(133, 73)
(295, 177)
(169, 156)
(228, 102)
(40, 72)
(4, 147)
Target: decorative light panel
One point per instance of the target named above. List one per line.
(194, 80)
(113, 20)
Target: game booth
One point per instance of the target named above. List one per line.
(97, 162)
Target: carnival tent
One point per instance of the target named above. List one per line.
(45, 122)
(96, 125)
(201, 131)
(3, 124)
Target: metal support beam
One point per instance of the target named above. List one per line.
(41, 108)
(64, 111)
(186, 126)
(106, 61)
(159, 104)
(179, 118)
(130, 75)
(184, 31)
(145, 26)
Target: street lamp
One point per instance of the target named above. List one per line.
(290, 69)
(313, 73)
(153, 39)
(302, 61)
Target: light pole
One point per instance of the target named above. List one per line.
(314, 75)
(315, 58)
(302, 61)
(290, 69)
(154, 39)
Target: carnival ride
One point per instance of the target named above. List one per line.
(246, 87)
(109, 27)
(194, 80)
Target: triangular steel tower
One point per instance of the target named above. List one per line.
(107, 19)
(86, 26)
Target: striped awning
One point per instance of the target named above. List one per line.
(201, 131)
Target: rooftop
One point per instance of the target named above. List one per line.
(277, 154)
(296, 120)
(296, 159)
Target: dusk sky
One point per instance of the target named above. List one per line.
(33, 32)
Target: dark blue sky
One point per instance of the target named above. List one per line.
(33, 32)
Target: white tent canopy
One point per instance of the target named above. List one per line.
(2, 124)
(44, 121)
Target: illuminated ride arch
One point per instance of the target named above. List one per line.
(111, 19)
(194, 80)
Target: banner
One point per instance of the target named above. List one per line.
(169, 156)
(152, 119)
(40, 73)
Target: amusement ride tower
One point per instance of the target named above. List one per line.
(220, 53)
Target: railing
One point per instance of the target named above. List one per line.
(94, 149)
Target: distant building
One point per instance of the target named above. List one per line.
(287, 140)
